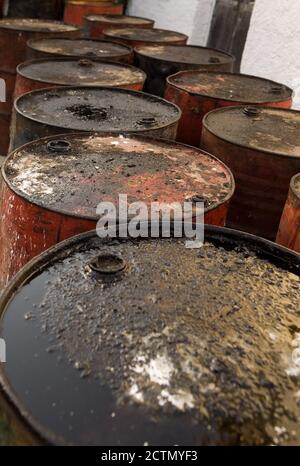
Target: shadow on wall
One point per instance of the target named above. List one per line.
(230, 26)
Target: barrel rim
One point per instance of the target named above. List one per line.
(30, 45)
(227, 73)
(268, 249)
(109, 33)
(20, 68)
(152, 139)
(246, 146)
(89, 16)
(228, 57)
(68, 27)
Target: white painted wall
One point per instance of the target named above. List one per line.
(273, 42)
(191, 17)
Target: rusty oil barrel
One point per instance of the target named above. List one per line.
(52, 187)
(42, 9)
(58, 110)
(75, 11)
(94, 25)
(198, 92)
(43, 73)
(289, 229)
(82, 48)
(134, 354)
(260, 145)
(135, 37)
(14, 34)
(161, 61)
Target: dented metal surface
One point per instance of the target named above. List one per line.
(188, 349)
(76, 11)
(289, 229)
(88, 48)
(62, 109)
(198, 92)
(94, 25)
(53, 187)
(161, 61)
(42, 73)
(261, 146)
(136, 36)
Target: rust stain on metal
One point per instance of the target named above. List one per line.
(37, 74)
(93, 169)
(271, 130)
(187, 54)
(261, 145)
(139, 36)
(53, 186)
(94, 25)
(289, 229)
(192, 365)
(90, 48)
(76, 11)
(161, 61)
(199, 92)
(238, 88)
(35, 25)
(61, 109)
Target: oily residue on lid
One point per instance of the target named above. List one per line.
(81, 72)
(184, 54)
(230, 86)
(79, 47)
(35, 25)
(184, 346)
(151, 35)
(96, 169)
(125, 110)
(272, 130)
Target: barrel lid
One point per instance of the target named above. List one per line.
(79, 47)
(35, 25)
(68, 71)
(97, 109)
(265, 129)
(145, 35)
(119, 19)
(73, 173)
(231, 87)
(191, 54)
(295, 184)
(115, 342)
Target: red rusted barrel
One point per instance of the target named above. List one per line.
(135, 36)
(58, 110)
(83, 48)
(161, 61)
(14, 34)
(43, 9)
(52, 187)
(43, 73)
(260, 145)
(94, 25)
(147, 330)
(198, 92)
(289, 229)
(75, 11)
